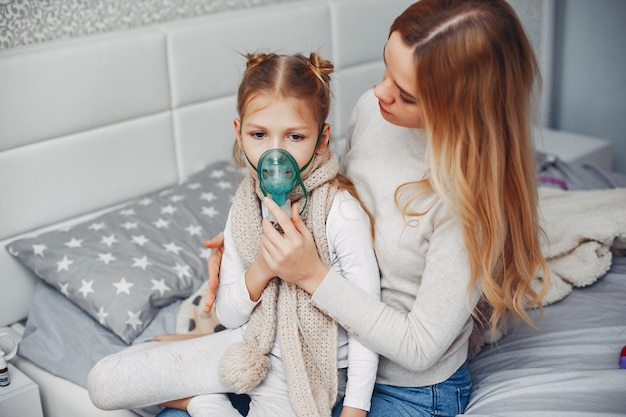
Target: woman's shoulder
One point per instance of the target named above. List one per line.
(367, 102)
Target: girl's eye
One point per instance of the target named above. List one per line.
(258, 135)
(295, 137)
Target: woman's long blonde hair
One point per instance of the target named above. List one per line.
(476, 79)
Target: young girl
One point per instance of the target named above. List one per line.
(442, 155)
(280, 349)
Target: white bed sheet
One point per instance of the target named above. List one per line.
(570, 367)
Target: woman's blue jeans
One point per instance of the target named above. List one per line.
(447, 398)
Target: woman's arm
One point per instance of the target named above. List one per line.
(415, 339)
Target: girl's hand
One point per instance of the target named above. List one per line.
(258, 275)
(292, 255)
(214, 261)
(181, 404)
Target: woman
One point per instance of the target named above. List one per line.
(441, 154)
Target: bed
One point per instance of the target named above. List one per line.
(115, 167)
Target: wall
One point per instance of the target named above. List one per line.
(537, 17)
(589, 95)
(24, 22)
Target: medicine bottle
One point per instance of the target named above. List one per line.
(5, 379)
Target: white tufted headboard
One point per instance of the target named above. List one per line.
(90, 122)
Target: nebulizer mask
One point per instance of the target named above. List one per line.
(278, 174)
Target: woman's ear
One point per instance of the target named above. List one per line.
(237, 127)
(322, 146)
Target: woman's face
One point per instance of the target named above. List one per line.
(279, 123)
(396, 92)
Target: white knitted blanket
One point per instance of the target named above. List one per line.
(582, 228)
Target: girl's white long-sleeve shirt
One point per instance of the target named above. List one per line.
(422, 325)
(352, 258)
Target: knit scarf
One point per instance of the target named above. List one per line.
(306, 336)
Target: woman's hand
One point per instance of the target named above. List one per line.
(214, 262)
(292, 255)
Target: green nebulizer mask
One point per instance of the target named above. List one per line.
(278, 174)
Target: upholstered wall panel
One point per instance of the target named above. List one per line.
(71, 88)
(205, 59)
(80, 173)
(20, 293)
(360, 37)
(353, 82)
(204, 133)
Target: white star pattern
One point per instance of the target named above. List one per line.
(205, 253)
(141, 262)
(64, 264)
(168, 210)
(208, 197)
(109, 240)
(218, 173)
(224, 185)
(121, 266)
(210, 211)
(64, 288)
(161, 224)
(106, 257)
(122, 286)
(133, 319)
(97, 226)
(74, 243)
(182, 271)
(160, 286)
(172, 247)
(101, 316)
(39, 250)
(86, 288)
(194, 230)
(130, 225)
(140, 240)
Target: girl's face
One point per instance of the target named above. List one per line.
(269, 122)
(396, 92)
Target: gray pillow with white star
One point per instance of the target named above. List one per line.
(123, 266)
